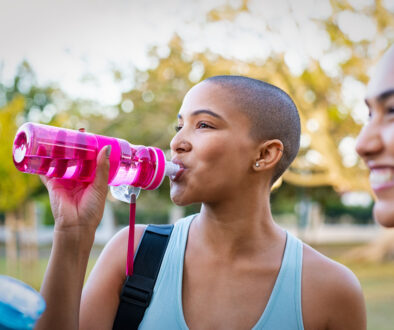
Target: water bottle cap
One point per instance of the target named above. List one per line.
(159, 174)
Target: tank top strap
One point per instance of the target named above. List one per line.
(175, 253)
(283, 310)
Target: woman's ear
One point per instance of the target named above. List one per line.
(270, 153)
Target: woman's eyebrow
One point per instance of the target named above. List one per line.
(381, 97)
(385, 95)
(206, 111)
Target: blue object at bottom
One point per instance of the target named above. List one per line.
(20, 305)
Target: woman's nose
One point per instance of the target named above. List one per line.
(179, 143)
(369, 141)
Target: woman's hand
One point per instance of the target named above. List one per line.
(77, 207)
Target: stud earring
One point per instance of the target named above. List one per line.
(257, 164)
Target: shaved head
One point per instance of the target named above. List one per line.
(272, 113)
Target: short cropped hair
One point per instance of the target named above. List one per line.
(272, 113)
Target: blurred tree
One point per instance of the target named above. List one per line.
(15, 187)
(148, 112)
(358, 34)
(23, 100)
(330, 122)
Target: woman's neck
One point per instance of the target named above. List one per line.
(238, 227)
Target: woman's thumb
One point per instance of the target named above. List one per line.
(102, 170)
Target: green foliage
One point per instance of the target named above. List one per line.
(286, 197)
(143, 215)
(157, 97)
(15, 186)
(361, 215)
(23, 100)
(35, 98)
(42, 200)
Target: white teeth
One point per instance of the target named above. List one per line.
(380, 176)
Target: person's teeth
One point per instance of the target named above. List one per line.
(380, 176)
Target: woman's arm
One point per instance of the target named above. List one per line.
(100, 297)
(77, 209)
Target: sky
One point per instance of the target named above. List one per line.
(69, 41)
(77, 44)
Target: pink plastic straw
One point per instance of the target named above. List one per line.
(130, 246)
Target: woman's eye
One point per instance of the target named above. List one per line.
(177, 128)
(203, 125)
(390, 110)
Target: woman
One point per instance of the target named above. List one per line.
(228, 267)
(376, 140)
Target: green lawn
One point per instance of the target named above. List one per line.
(377, 281)
(32, 274)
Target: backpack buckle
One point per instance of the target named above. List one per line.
(137, 290)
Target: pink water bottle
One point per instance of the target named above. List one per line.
(69, 154)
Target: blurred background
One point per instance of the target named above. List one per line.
(121, 68)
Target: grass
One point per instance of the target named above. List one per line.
(377, 281)
(32, 274)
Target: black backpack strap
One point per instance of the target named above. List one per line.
(138, 288)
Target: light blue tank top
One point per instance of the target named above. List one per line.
(283, 310)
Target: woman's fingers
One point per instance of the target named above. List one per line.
(44, 180)
(102, 171)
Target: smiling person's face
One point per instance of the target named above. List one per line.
(214, 146)
(376, 140)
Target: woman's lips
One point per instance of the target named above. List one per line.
(180, 172)
(177, 175)
(381, 178)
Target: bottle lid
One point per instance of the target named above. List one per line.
(159, 173)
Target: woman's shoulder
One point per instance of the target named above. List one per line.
(123, 234)
(330, 288)
(319, 268)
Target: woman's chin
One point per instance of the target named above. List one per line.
(383, 212)
(180, 201)
(178, 197)
(181, 198)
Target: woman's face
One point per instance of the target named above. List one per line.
(213, 145)
(376, 140)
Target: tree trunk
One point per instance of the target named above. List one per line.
(22, 244)
(11, 249)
